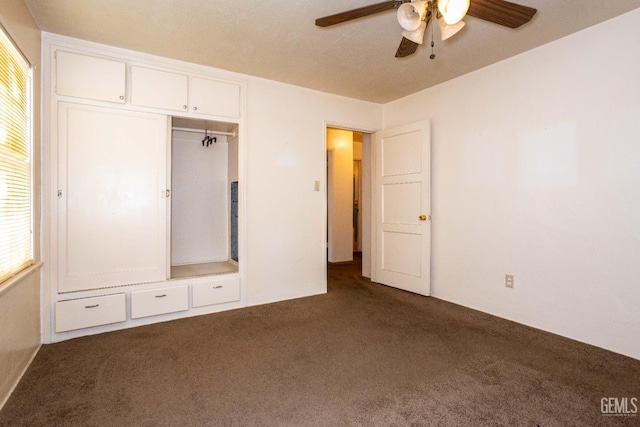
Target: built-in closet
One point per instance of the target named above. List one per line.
(145, 190)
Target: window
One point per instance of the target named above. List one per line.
(16, 241)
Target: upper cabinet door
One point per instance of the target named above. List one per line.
(90, 77)
(158, 89)
(214, 97)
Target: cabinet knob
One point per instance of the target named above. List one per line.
(195, 108)
(121, 97)
(184, 107)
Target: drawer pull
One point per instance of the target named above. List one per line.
(91, 306)
(217, 287)
(161, 296)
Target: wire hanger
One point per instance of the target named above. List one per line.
(208, 139)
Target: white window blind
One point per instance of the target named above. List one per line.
(16, 242)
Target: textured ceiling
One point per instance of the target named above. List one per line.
(277, 39)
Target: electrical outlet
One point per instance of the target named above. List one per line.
(508, 280)
(316, 185)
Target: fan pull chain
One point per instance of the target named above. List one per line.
(433, 55)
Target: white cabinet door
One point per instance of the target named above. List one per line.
(159, 89)
(90, 77)
(112, 208)
(214, 97)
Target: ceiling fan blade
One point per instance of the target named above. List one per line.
(358, 13)
(406, 48)
(501, 12)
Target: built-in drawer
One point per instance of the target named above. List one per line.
(159, 301)
(215, 292)
(88, 312)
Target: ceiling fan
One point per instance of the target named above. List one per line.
(414, 16)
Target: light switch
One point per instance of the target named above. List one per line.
(316, 185)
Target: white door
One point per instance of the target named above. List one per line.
(112, 206)
(402, 208)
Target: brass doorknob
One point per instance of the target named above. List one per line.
(422, 217)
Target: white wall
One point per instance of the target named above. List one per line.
(19, 329)
(20, 299)
(286, 148)
(199, 199)
(232, 147)
(536, 173)
(340, 150)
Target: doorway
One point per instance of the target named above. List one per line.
(348, 196)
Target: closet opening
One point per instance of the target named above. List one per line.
(204, 198)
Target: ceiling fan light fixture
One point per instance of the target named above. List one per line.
(453, 10)
(416, 13)
(410, 15)
(416, 36)
(446, 30)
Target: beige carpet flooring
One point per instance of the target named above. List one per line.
(360, 355)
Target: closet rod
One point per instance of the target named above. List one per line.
(202, 131)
